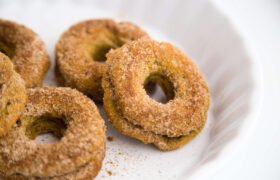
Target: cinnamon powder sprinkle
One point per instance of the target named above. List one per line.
(110, 138)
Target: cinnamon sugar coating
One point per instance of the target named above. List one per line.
(134, 113)
(81, 50)
(78, 154)
(26, 50)
(12, 95)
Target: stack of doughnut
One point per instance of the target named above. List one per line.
(96, 60)
(130, 110)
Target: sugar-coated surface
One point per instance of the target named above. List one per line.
(30, 56)
(12, 95)
(78, 155)
(76, 65)
(134, 113)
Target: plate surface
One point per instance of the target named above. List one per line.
(198, 29)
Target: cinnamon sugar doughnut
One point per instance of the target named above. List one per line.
(12, 95)
(67, 114)
(26, 50)
(130, 110)
(81, 50)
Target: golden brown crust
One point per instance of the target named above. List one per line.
(81, 149)
(164, 143)
(82, 47)
(12, 95)
(134, 113)
(86, 172)
(26, 50)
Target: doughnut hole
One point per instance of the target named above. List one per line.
(105, 41)
(159, 88)
(46, 127)
(7, 48)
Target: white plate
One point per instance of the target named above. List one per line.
(201, 31)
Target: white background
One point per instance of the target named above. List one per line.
(259, 23)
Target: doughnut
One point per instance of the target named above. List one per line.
(70, 116)
(81, 50)
(26, 50)
(12, 95)
(131, 111)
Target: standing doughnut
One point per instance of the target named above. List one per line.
(12, 95)
(81, 52)
(130, 110)
(70, 116)
(26, 50)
